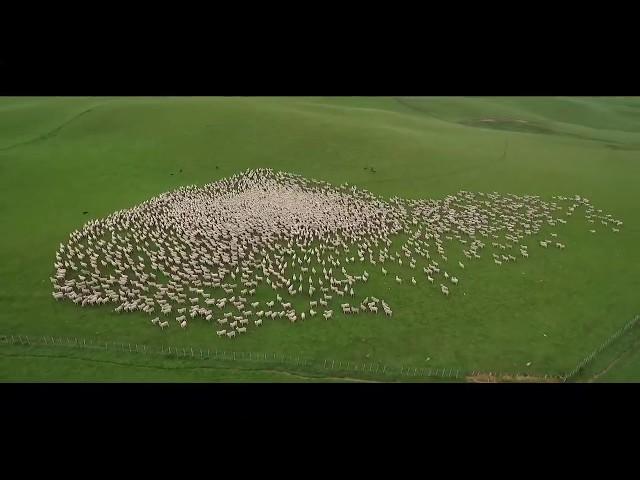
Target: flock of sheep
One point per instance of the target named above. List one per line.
(210, 251)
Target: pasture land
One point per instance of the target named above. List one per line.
(62, 157)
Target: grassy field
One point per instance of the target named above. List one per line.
(619, 362)
(624, 370)
(62, 157)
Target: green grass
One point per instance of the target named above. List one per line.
(60, 157)
(625, 370)
(619, 362)
(50, 365)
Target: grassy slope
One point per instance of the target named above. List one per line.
(122, 152)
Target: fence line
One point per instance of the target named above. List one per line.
(589, 358)
(180, 352)
(370, 368)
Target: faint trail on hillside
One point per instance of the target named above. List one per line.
(506, 146)
(415, 108)
(623, 355)
(50, 134)
(606, 369)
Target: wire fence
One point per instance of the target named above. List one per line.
(298, 363)
(589, 358)
(302, 364)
